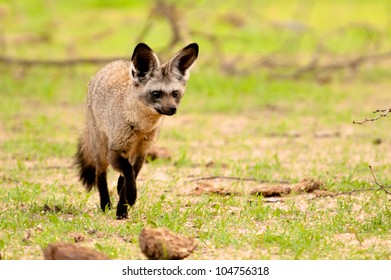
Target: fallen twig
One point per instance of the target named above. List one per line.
(380, 185)
(383, 113)
(238, 179)
(344, 193)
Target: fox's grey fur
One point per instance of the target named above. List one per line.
(125, 106)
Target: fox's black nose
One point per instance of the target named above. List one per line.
(169, 111)
(172, 110)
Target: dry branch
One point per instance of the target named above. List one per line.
(170, 13)
(56, 63)
(383, 113)
(273, 62)
(353, 64)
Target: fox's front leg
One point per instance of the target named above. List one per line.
(126, 187)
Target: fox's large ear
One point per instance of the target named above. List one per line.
(182, 62)
(144, 63)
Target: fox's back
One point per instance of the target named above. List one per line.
(106, 92)
(109, 83)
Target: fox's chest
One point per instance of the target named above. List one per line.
(138, 144)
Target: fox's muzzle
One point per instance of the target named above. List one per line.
(167, 111)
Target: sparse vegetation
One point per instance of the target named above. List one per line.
(246, 123)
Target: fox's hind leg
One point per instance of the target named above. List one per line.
(103, 191)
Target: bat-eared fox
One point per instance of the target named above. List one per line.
(125, 106)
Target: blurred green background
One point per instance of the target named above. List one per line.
(251, 52)
(272, 96)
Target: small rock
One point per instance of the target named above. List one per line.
(273, 200)
(307, 185)
(92, 231)
(269, 191)
(377, 141)
(68, 251)
(322, 193)
(162, 244)
(27, 237)
(47, 209)
(77, 237)
(158, 153)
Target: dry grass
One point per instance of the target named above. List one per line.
(243, 126)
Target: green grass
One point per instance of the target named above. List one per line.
(244, 125)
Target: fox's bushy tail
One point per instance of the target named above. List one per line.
(87, 171)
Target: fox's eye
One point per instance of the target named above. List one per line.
(175, 93)
(156, 93)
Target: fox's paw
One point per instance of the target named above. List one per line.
(122, 216)
(105, 206)
(122, 213)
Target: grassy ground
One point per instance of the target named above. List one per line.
(243, 125)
